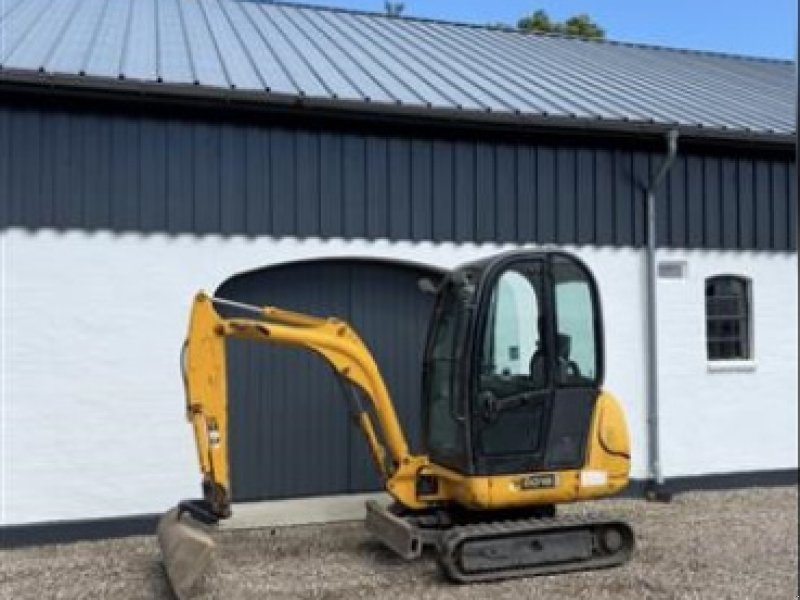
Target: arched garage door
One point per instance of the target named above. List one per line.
(290, 430)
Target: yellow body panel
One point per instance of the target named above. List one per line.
(605, 470)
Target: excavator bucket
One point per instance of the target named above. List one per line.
(187, 549)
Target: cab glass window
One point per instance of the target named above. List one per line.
(576, 338)
(513, 358)
(445, 400)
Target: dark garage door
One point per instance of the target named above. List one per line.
(290, 430)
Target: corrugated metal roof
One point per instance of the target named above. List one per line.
(284, 50)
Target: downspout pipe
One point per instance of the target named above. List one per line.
(655, 488)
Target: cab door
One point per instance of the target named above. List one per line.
(514, 392)
(577, 363)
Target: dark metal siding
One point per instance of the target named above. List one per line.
(126, 173)
(290, 430)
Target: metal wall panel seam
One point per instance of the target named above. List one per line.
(526, 186)
(320, 193)
(730, 203)
(746, 187)
(499, 195)
(376, 172)
(709, 215)
(778, 213)
(791, 207)
(307, 169)
(515, 187)
(33, 206)
(695, 213)
(763, 205)
(47, 175)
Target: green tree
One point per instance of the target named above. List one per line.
(537, 21)
(394, 9)
(580, 25)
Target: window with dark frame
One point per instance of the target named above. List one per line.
(728, 318)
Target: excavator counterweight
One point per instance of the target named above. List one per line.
(516, 418)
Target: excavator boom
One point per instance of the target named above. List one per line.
(187, 546)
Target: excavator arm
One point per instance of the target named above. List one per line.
(205, 379)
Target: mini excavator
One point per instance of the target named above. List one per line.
(515, 421)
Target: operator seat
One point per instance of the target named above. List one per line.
(565, 368)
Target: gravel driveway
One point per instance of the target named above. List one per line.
(740, 544)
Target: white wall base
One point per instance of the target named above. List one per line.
(737, 415)
(92, 405)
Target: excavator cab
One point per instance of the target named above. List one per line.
(513, 365)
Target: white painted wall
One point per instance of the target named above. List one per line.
(91, 400)
(721, 421)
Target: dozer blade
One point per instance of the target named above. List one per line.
(187, 549)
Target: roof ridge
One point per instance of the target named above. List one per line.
(514, 30)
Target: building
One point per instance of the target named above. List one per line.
(323, 160)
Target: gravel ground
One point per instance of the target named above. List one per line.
(740, 544)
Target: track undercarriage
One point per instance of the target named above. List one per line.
(474, 547)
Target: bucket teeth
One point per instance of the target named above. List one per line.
(187, 549)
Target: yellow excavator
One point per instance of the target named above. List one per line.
(515, 421)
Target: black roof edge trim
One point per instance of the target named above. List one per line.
(224, 98)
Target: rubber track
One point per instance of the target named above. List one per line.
(454, 539)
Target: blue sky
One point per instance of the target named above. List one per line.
(762, 28)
